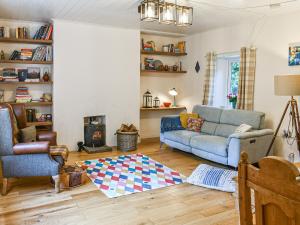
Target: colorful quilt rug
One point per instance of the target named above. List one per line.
(128, 174)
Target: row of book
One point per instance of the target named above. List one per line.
(9, 75)
(44, 32)
(42, 53)
(22, 33)
(30, 74)
(22, 95)
(4, 32)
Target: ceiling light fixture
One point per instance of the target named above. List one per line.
(184, 16)
(149, 10)
(166, 12)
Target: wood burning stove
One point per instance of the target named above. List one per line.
(95, 134)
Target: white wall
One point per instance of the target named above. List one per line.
(96, 71)
(271, 36)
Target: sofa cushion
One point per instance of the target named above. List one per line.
(237, 117)
(185, 116)
(208, 113)
(225, 130)
(209, 127)
(213, 144)
(181, 136)
(194, 124)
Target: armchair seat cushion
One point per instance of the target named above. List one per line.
(31, 148)
(212, 144)
(181, 136)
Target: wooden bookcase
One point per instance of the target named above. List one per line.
(41, 125)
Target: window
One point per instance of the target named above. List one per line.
(226, 79)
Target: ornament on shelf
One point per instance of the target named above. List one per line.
(2, 56)
(156, 102)
(147, 99)
(46, 76)
(1, 95)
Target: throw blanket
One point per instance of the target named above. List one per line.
(170, 123)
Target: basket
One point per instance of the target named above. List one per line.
(127, 141)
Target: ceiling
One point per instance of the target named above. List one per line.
(208, 14)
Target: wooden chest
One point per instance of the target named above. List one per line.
(72, 176)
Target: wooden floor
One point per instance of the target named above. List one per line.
(33, 201)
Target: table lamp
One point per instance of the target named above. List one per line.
(173, 92)
(288, 85)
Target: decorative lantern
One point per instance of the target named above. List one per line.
(156, 102)
(184, 16)
(147, 99)
(167, 13)
(149, 10)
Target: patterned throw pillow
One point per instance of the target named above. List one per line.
(213, 178)
(184, 118)
(194, 124)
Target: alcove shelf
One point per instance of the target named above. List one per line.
(22, 83)
(45, 123)
(26, 41)
(162, 53)
(26, 62)
(158, 71)
(163, 108)
(33, 103)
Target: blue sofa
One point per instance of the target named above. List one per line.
(217, 140)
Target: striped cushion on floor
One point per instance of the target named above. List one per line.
(213, 178)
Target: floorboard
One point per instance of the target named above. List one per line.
(33, 201)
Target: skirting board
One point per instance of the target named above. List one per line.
(150, 140)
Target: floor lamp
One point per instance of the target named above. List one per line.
(288, 85)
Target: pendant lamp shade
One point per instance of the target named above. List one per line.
(184, 16)
(149, 10)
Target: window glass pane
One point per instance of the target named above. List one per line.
(234, 77)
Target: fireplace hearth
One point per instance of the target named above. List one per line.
(95, 134)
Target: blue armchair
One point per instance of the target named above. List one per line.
(23, 159)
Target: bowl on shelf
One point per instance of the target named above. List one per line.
(167, 104)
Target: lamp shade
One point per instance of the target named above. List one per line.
(173, 92)
(287, 85)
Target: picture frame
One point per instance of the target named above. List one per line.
(294, 54)
(33, 73)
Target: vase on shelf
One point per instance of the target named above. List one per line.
(233, 104)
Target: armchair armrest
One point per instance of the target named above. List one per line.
(255, 143)
(31, 148)
(252, 134)
(47, 136)
(169, 123)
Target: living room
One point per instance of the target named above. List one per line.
(151, 92)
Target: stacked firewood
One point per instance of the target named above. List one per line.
(127, 128)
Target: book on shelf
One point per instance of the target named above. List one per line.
(9, 75)
(26, 54)
(44, 32)
(14, 55)
(22, 95)
(22, 33)
(41, 53)
(4, 32)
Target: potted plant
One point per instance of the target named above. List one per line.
(232, 99)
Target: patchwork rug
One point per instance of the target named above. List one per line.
(128, 174)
